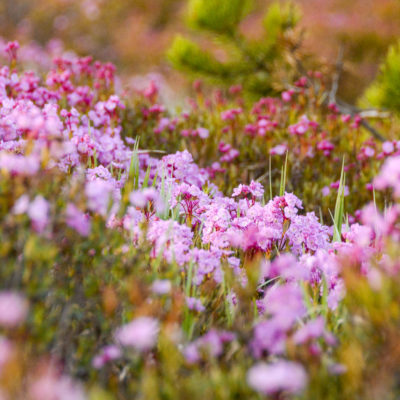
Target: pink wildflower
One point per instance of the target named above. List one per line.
(280, 376)
(13, 309)
(141, 333)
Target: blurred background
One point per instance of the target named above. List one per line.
(135, 34)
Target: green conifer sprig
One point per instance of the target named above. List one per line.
(385, 90)
(250, 63)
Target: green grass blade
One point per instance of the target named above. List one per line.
(270, 179)
(339, 208)
(146, 178)
(283, 177)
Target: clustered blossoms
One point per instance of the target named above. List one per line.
(69, 125)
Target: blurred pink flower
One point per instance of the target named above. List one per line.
(141, 333)
(389, 176)
(38, 212)
(277, 377)
(194, 304)
(51, 386)
(107, 353)
(13, 309)
(161, 286)
(278, 150)
(78, 220)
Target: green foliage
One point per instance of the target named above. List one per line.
(385, 91)
(219, 16)
(251, 63)
(188, 56)
(280, 18)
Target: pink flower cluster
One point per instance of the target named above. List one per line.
(66, 125)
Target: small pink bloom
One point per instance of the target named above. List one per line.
(203, 133)
(325, 191)
(194, 304)
(279, 150)
(106, 354)
(388, 147)
(11, 49)
(287, 96)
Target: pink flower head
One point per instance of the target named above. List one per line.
(279, 150)
(98, 193)
(49, 385)
(21, 205)
(170, 239)
(203, 133)
(255, 189)
(13, 309)
(388, 147)
(194, 304)
(211, 344)
(11, 49)
(277, 377)
(38, 212)
(230, 115)
(325, 191)
(230, 155)
(389, 176)
(161, 286)
(311, 330)
(301, 127)
(369, 151)
(78, 220)
(325, 146)
(151, 91)
(106, 354)
(141, 333)
(147, 197)
(287, 95)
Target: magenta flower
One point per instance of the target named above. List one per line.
(230, 115)
(301, 127)
(287, 95)
(11, 49)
